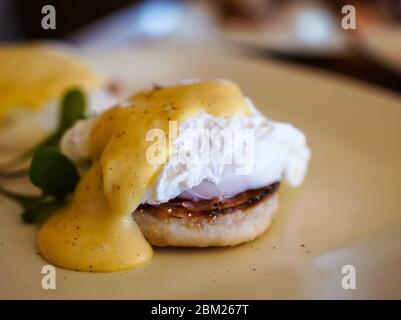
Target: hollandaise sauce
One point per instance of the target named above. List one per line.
(32, 75)
(96, 231)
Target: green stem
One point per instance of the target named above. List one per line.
(24, 200)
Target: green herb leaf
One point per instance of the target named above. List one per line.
(53, 173)
(73, 108)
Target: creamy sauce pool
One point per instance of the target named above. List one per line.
(96, 231)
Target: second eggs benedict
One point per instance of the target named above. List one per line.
(33, 79)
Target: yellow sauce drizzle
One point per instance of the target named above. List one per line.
(96, 231)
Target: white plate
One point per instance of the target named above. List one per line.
(348, 212)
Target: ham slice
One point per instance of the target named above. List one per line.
(178, 207)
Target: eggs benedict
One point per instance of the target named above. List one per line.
(33, 78)
(146, 189)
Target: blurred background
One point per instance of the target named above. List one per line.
(306, 32)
